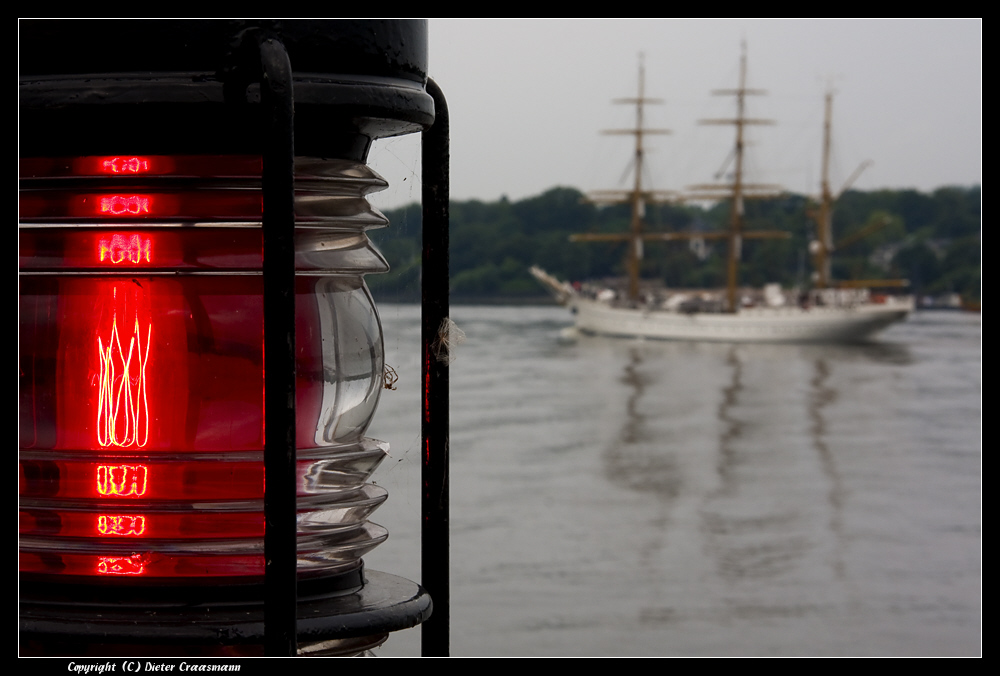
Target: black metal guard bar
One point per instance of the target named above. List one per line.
(280, 590)
(435, 553)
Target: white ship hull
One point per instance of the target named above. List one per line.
(815, 324)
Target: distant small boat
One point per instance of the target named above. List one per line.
(846, 312)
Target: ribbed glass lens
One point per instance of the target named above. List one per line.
(141, 365)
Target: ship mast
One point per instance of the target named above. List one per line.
(822, 247)
(739, 190)
(638, 207)
(824, 218)
(637, 197)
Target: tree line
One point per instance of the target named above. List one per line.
(934, 240)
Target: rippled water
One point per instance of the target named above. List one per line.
(617, 497)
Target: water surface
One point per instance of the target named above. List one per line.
(621, 497)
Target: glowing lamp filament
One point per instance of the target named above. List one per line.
(125, 205)
(120, 565)
(122, 480)
(121, 524)
(125, 165)
(119, 248)
(122, 406)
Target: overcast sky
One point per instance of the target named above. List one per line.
(528, 99)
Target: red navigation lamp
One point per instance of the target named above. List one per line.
(142, 412)
(142, 421)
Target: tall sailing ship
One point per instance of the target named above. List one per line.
(831, 312)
